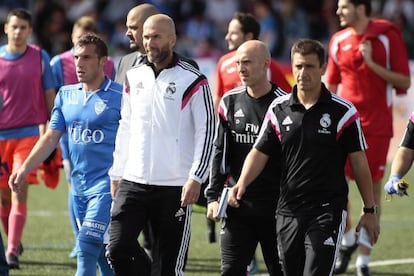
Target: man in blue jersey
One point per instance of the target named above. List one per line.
(168, 126)
(63, 68)
(89, 113)
(27, 93)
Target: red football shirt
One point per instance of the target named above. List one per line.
(371, 95)
(227, 76)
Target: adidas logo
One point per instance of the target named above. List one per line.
(139, 85)
(239, 113)
(287, 121)
(179, 213)
(329, 241)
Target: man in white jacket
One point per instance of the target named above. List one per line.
(162, 154)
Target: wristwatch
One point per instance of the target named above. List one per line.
(371, 210)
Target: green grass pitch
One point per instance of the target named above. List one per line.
(47, 238)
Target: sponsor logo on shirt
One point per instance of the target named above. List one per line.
(346, 47)
(79, 133)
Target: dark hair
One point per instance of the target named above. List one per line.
(307, 47)
(248, 23)
(366, 3)
(100, 45)
(21, 14)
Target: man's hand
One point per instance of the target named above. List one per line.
(395, 185)
(114, 188)
(370, 223)
(212, 209)
(235, 194)
(17, 179)
(190, 192)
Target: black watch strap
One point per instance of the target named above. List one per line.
(371, 210)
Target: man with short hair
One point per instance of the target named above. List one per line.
(240, 115)
(27, 94)
(367, 60)
(241, 28)
(63, 68)
(168, 112)
(89, 112)
(316, 131)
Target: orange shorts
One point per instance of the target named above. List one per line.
(13, 152)
(377, 157)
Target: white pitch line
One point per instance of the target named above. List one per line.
(388, 262)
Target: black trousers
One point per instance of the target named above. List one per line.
(239, 238)
(308, 244)
(134, 206)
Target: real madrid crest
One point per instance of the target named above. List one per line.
(325, 121)
(170, 90)
(100, 106)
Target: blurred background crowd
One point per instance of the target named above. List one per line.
(202, 24)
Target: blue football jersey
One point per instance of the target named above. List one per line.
(91, 121)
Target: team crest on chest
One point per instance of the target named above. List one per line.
(100, 106)
(325, 122)
(170, 89)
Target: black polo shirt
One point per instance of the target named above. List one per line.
(314, 146)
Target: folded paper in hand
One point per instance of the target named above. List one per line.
(364, 238)
(221, 212)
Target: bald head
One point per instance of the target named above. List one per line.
(135, 19)
(255, 48)
(253, 61)
(162, 22)
(158, 37)
(142, 12)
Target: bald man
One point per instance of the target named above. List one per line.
(171, 136)
(135, 19)
(241, 112)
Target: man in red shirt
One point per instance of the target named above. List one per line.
(367, 59)
(242, 27)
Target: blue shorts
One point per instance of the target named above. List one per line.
(92, 214)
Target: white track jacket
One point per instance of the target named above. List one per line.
(166, 131)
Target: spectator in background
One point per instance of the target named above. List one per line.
(27, 94)
(241, 28)
(368, 58)
(295, 26)
(271, 26)
(394, 7)
(196, 29)
(51, 28)
(407, 30)
(64, 69)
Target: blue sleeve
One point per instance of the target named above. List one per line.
(48, 80)
(57, 70)
(57, 120)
